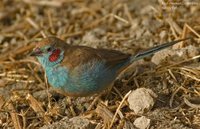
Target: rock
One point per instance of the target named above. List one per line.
(186, 52)
(73, 123)
(82, 123)
(161, 55)
(141, 100)
(142, 123)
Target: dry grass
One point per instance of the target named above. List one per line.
(25, 100)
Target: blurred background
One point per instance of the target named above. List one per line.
(125, 25)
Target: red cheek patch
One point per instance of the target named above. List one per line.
(55, 55)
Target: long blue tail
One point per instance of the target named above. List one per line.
(153, 50)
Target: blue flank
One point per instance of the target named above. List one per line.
(90, 78)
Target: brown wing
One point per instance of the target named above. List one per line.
(112, 57)
(76, 55)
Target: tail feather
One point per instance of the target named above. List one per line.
(153, 50)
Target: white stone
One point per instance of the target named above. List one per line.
(142, 122)
(141, 100)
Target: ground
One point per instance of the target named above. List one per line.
(126, 25)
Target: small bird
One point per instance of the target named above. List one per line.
(81, 70)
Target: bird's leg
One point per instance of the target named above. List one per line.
(69, 102)
(94, 101)
(99, 96)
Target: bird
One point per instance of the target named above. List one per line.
(80, 71)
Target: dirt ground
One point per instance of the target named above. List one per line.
(125, 25)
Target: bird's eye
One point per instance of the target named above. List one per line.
(49, 49)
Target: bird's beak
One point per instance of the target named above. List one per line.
(36, 52)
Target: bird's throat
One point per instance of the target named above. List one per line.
(57, 76)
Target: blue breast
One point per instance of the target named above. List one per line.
(89, 78)
(57, 76)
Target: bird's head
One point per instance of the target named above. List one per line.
(49, 51)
